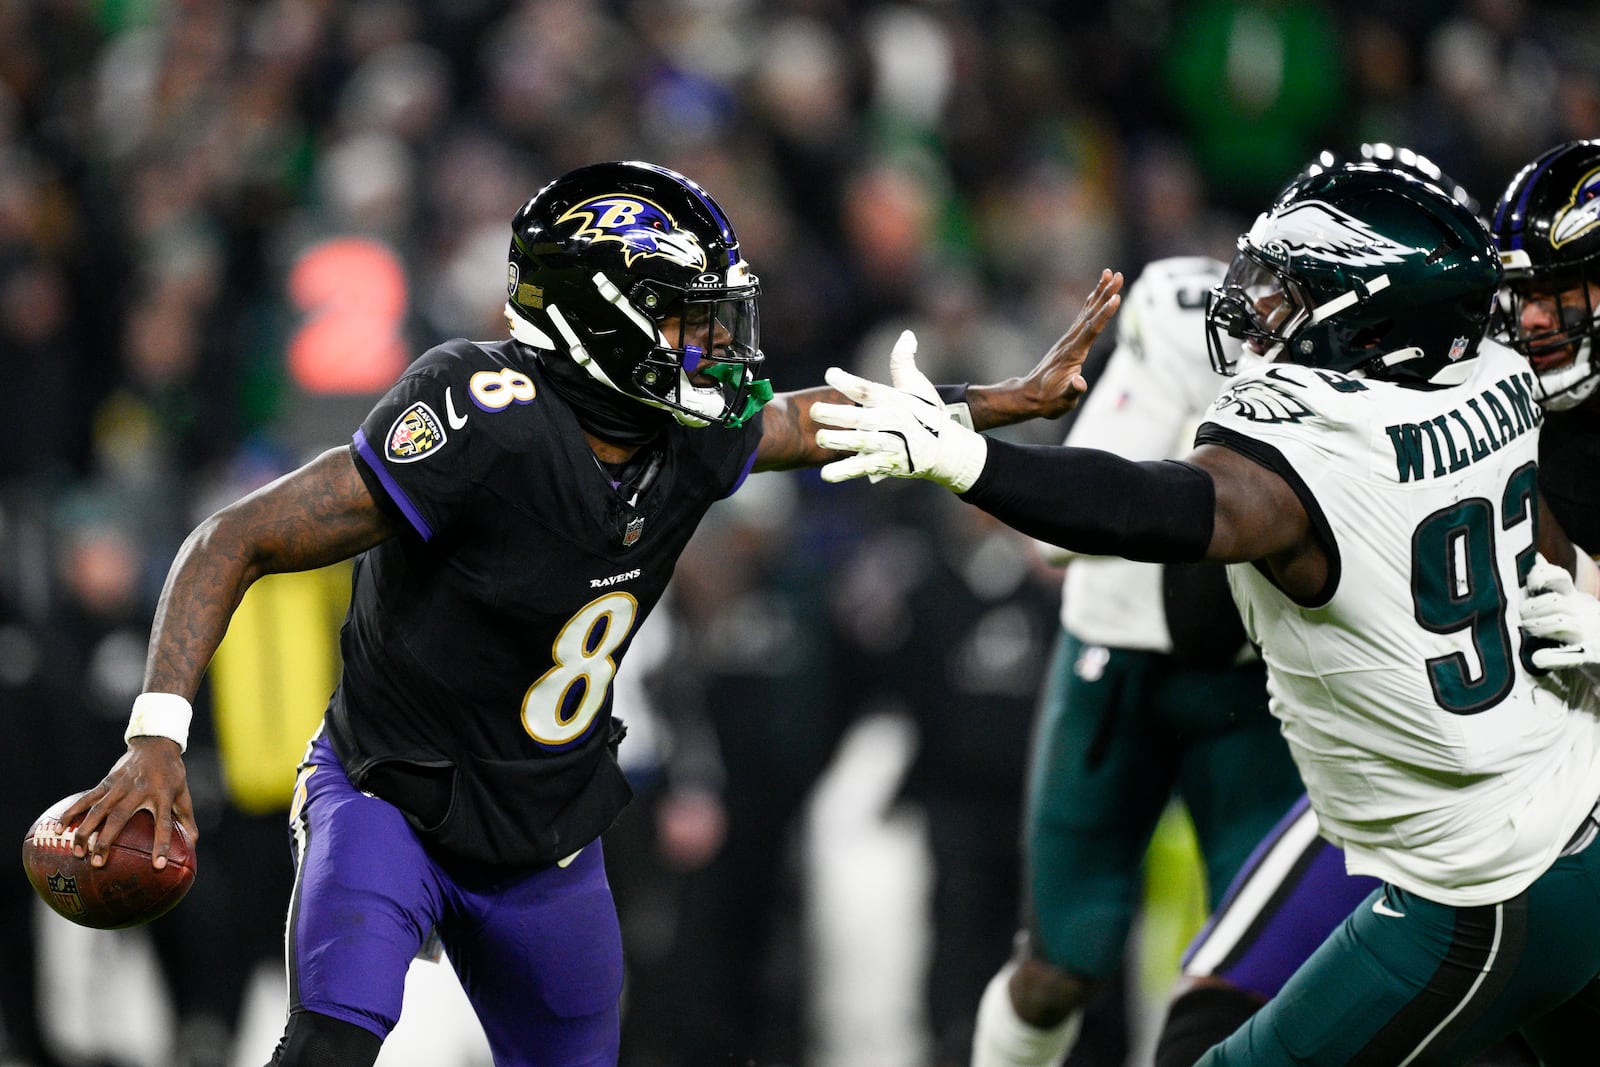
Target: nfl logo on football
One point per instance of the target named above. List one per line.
(64, 888)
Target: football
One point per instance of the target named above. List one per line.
(127, 891)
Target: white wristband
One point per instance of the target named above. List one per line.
(160, 715)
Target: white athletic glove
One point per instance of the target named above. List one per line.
(1556, 611)
(901, 430)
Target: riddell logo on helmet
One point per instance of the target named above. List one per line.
(642, 228)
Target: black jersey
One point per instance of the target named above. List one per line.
(481, 642)
(1569, 454)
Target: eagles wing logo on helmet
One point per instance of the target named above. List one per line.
(1322, 231)
(1581, 214)
(638, 225)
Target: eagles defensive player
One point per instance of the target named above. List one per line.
(1374, 487)
(517, 508)
(1294, 891)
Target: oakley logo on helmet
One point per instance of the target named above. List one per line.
(1581, 214)
(642, 228)
(1321, 231)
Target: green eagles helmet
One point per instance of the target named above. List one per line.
(1362, 269)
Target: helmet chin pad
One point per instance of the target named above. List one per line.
(1564, 388)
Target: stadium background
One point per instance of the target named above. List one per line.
(226, 225)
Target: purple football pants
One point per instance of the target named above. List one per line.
(1287, 898)
(539, 955)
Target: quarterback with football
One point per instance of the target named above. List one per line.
(516, 508)
(1373, 485)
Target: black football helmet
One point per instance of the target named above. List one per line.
(1547, 225)
(1361, 269)
(604, 256)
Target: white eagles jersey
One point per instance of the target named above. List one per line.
(1144, 405)
(1431, 755)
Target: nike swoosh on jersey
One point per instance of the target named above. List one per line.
(1381, 907)
(456, 421)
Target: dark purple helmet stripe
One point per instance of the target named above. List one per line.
(1521, 210)
(711, 208)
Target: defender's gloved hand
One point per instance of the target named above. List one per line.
(900, 430)
(1555, 611)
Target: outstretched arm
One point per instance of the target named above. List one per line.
(312, 517)
(1048, 391)
(1056, 384)
(1217, 505)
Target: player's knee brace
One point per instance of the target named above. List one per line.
(315, 1040)
(1199, 1019)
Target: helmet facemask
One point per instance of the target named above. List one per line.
(1255, 305)
(634, 272)
(1547, 226)
(1562, 356)
(703, 367)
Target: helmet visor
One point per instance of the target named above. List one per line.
(1254, 305)
(709, 354)
(719, 329)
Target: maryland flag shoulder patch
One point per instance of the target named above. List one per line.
(418, 432)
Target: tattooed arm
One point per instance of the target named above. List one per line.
(317, 515)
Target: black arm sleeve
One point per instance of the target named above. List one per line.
(1099, 503)
(1201, 616)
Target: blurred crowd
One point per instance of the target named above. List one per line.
(227, 225)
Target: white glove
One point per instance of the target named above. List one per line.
(1555, 611)
(900, 430)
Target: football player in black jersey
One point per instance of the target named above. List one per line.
(516, 509)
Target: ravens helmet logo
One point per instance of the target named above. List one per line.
(642, 228)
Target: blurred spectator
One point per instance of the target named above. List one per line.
(30, 707)
(745, 688)
(1257, 84)
(949, 616)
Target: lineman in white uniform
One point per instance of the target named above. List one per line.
(1294, 890)
(1147, 697)
(1376, 492)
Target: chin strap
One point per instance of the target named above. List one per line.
(525, 331)
(1566, 387)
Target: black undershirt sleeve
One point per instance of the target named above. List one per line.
(1098, 503)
